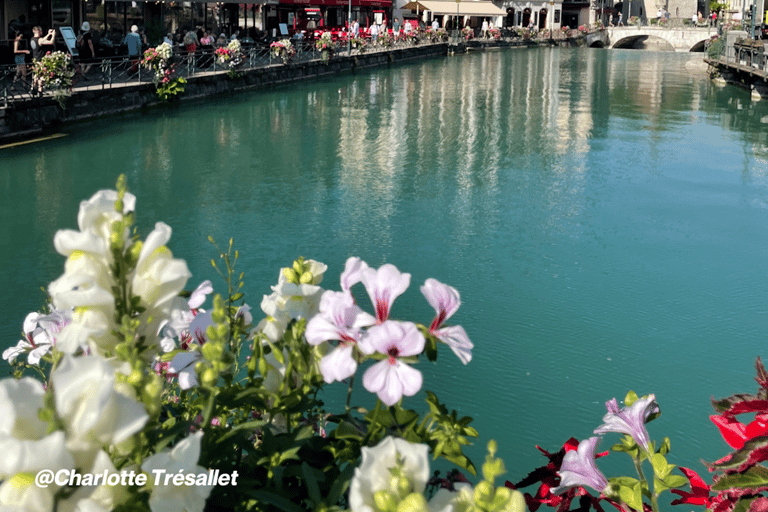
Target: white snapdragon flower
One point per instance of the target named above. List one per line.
(19, 402)
(289, 301)
(87, 283)
(95, 413)
(158, 279)
(182, 457)
(20, 494)
(21, 460)
(24, 445)
(95, 219)
(96, 498)
(394, 468)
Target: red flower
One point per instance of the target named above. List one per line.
(736, 433)
(700, 490)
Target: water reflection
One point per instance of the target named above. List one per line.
(593, 207)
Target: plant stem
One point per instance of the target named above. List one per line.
(349, 391)
(654, 496)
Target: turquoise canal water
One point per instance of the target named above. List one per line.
(604, 215)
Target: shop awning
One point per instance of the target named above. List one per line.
(465, 8)
(414, 6)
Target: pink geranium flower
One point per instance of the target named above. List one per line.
(339, 319)
(391, 378)
(446, 301)
(384, 286)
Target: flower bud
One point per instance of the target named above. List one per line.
(413, 503)
(135, 250)
(212, 351)
(507, 500)
(135, 378)
(484, 494)
(291, 275)
(306, 277)
(298, 266)
(384, 501)
(209, 377)
(154, 387)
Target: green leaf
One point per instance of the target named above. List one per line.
(341, 484)
(271, 498)
(665, 447)
(632, 496)
(673, 481)
(660, 467)
(744, 504)
(310, 475)
(658, 485)
(630, 398)
(619, 481)
(756, 476)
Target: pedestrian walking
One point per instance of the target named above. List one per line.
(133, 42)
(20, 53)
(621, 21)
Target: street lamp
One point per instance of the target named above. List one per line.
(457, 21)
(349, 29)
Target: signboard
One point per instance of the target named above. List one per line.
(70, 39)
(283, 29)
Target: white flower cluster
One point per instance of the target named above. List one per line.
(89, 414)
(392, 477)
(165, 50)
(87, 283)
(292, 298)
(234, 45)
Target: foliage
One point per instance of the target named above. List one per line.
(715, 6)
(283, 50)
(570, 470)
(159, 60)
(54, 72)
(741, 477)
(168, 88)
(714, 47)
(132, 375)
(325, 44)
(231, 56)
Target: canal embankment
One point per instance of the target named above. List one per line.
(36, 115)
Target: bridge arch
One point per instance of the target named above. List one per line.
(681, 39)
(644, 42)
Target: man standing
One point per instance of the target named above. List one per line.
(133, 42)
(435, 24)
(355, 29)
(38, 41)
(621, 20)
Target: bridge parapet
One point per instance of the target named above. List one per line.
(682, 39)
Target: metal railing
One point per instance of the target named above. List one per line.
(122, 71)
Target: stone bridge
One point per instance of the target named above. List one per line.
(682, 39)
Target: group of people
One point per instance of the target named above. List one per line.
(37, 46)
(398, 28)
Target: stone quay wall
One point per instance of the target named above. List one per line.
(26, 119)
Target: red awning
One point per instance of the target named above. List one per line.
(382, 4)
